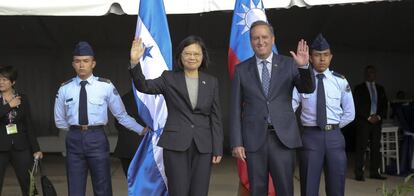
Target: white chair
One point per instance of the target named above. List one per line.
(390, 147)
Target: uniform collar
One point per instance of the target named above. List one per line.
(328, 73)
(90, 80)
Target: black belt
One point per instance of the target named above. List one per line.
(328, 127)
(86, 127)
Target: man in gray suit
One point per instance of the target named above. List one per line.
(263, 128)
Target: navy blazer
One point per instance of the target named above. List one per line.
(250, 107)
(185, 124)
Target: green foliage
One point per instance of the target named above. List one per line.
(401, 189)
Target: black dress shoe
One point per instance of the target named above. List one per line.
(359, 178)
(378, 177)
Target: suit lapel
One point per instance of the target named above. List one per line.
(367, 95)
(377, 89)
(254, 73)
(182, 85)
(202, 88)
(275, 74)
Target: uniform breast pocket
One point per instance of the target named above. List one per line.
(97, 106)
(70, 108)
(334, 99)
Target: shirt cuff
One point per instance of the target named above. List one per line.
(305, 66)
(139, 129)
(132, 66)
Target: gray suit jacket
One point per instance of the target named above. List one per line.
(184, 124)
(250, 106)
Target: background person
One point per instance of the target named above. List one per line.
(371, 105)
(18, 143)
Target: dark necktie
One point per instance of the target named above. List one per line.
(265, 78)
(83, 107)
(321, 103)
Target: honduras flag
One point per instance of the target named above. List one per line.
(146, 176)
(245, 13)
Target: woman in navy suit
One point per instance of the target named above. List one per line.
(18, 143)
(193, 137)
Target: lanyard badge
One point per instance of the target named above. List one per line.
(11, 128)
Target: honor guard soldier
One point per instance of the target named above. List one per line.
(326, 110)
(81, 107)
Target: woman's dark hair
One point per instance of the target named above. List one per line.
(192, 39)
(8, 72)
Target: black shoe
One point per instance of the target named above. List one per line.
(359, 178)
(378, 177)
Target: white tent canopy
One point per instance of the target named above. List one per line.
(130, 7)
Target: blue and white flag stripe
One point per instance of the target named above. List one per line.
(146, 175)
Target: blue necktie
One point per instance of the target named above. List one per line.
(83, 107)
(266, 84)
(321, 103)
(373, 98)
(265, 78)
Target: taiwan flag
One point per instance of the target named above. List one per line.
(245, 13)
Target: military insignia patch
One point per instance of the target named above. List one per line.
(115, 92)
(348, 88)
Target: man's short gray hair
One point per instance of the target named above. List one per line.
(261, 22)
